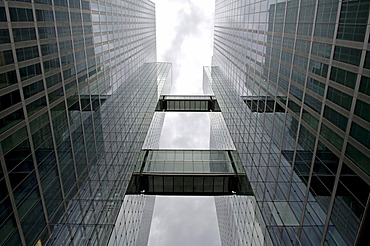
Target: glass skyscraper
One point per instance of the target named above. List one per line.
(78, 89)
(288, 97)
(292, 81)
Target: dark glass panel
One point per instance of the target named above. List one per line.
(8, 78)
(361, 134)
(19, 162)
(312, 121)
(349, 205)
(312, 103)
(4, 36)
(319, 68)
(33, 89)
(347, 55)
(27, 53)
(11, 120)
(9, 99)
(14, 139)
(326, 17)
(332, 137)
(353, 21)
(36, 105)
(359, 158)
(340, 98)
(51, 64)
(6, 57)
(43, 1)
(316, 86)
(336, 118)
(46, 32)
(44, 15)
(20, 14)
(343, 77)
(53, 80)
(2, 14)
(30, 71)
(362, 110)
(24, 34)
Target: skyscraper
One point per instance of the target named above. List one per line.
(79, 85)
(78, 88)
(292, 81)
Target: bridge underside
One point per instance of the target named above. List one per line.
(188, 184)
(189, 172)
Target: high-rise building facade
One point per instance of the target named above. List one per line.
(78, 89)
(292, 81)
(79, 85)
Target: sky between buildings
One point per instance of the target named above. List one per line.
(185, 38)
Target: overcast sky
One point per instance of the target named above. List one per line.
(185, 38)
(185, 221)
(185, 130)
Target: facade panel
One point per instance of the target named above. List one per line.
(307, 151)
(73, 115)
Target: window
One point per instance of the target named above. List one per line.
(353, 21)
(46, 32)
(4, 36)
(27, 53)
(347, 55)
(365, 85)
(339, 98)
(331, 137)
(6, 57)
(30, 71)
(8, 78)
(2, 14)
(362, 110)
(44, 15)
(359, 158)
(19, 14)
(336, 118)
(24, 34)
(61, 16)
(321, 49)
(33, 89)
(9, 99)
(361, 134)
(319, 68)
(343, 77)
(48, 49)
(316, 86)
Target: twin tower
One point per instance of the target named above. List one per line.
(83, 101)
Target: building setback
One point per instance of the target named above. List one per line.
(292, 81)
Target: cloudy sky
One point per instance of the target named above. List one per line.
(185, 131)
(185, 221)
(185, 38)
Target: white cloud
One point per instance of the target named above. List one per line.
(185, 131)
(185, 38)
(184, 221)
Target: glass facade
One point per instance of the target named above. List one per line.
(79, 86)
(188, 161)
(219, 138)
(153, 137)
(133, 222)
(78, 89)
(304, 145)
(189, 172)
